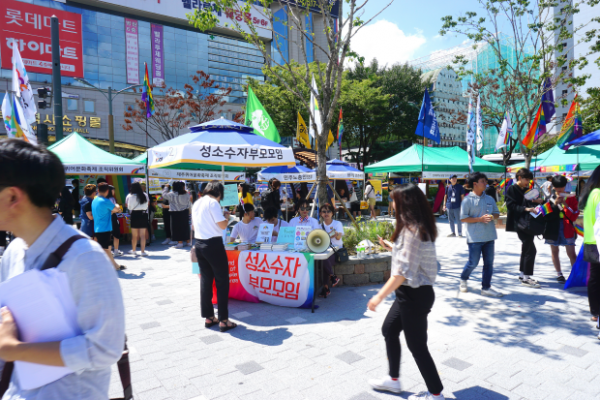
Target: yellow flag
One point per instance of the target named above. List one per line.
(302, 133)
(330, 140)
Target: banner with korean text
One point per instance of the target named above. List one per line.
(132, 50)
(29, 26)
(158, 73)
(279, 278)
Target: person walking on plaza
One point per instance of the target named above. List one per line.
(517, 206)
(560, 224)
(30, 178)
(478, 211)
(179, 210)
(590, 203)
(414, 270)
(86, 216)
(102, 210)
(209, 222)
(137, 204)
(453, 198)
(116, 227)
(371, 198)
(65, 205)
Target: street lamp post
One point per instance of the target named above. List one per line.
(110, 97)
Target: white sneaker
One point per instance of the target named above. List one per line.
(491, 293)
(133, 253)
(117, 253)
(145, 254)
(172, 243)
(463, 286)
(167, 241)
(386, 384)
(425, 396)
(532, 283)
(186, 244)
(179, 246)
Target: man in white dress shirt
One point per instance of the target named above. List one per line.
(304, 219)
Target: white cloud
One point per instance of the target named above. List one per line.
(386, 42)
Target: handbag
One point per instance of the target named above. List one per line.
(530, 225)
(53, 261)
(341, 254)
(364, 205)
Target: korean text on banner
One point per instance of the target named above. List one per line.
(236, 289)
(280, 278)
(29, 26)
(132, 48)
(158, 73)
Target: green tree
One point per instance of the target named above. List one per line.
(334, 51)
(590, 111)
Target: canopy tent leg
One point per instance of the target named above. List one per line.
(223, 181)
(148, 189)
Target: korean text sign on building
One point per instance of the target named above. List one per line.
(30, 27)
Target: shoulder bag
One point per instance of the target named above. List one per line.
(341, 254)
(53, 261)
(530, 225)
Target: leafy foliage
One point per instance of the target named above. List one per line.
(369, 230)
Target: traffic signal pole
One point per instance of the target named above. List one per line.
(56, 83)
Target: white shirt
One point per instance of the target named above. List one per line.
(100, 313)
(246, 232)
(547, 188)
(313, 223)
(206, 213)
(133, 203)
(276, 227)
(338, 227)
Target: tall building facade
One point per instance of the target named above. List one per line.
(449, 104)
(108, 42)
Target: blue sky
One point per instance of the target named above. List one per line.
(409, 29)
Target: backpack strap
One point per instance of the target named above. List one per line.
(56, 257)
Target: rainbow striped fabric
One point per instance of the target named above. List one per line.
(579, 229)
(572, 127)
(537, 130)
(506, 182)
(546, 209)
(147, 94)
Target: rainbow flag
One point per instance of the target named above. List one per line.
(506, 182)
(572, 127)
(147, 94)
(546, 209)
(537, 130)
(121, 184)
(579, 229)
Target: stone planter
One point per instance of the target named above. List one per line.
(362, 271)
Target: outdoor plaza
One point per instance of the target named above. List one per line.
(530, 344)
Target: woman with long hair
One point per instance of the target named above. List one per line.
(370, 198)
(209, 222)
(137, 203)
(65, 205)
(166, 216)
(414, 270)
(589, 202)
(179, 210)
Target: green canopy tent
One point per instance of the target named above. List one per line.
(196, 172)
(438, 163)
(580, 161)
(80, 157)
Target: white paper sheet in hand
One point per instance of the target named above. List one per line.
(44, 310)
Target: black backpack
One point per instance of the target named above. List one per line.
(265, 199)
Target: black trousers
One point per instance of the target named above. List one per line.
(2, 238)
(590, 254)
(409, 314)
(528, 252)
(167, 222)
(212, 259)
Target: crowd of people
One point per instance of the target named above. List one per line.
(28, 202)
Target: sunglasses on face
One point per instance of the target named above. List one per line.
(304, 208)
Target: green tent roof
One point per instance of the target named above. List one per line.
(77, 150)
(437, 159)
(190, 166)
(588, 158)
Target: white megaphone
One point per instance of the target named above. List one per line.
(318, 241)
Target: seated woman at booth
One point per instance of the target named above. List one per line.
(336, 231)
(304, 219)
(247, 228)
(271, 217)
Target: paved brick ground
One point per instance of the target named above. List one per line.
(532, 344)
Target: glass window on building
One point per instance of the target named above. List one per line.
(89, 106)
(72, 104)
(279, 45)
(309, 44)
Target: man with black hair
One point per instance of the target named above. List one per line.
(453, 198)
(76, 198)
(102, 210)
(30, 178)
(478, 211)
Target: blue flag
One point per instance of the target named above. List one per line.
(548, 101)
(428, 126)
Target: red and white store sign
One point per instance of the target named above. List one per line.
(30, 27)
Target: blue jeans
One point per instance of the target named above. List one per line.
(454, 216)
(475, 252)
